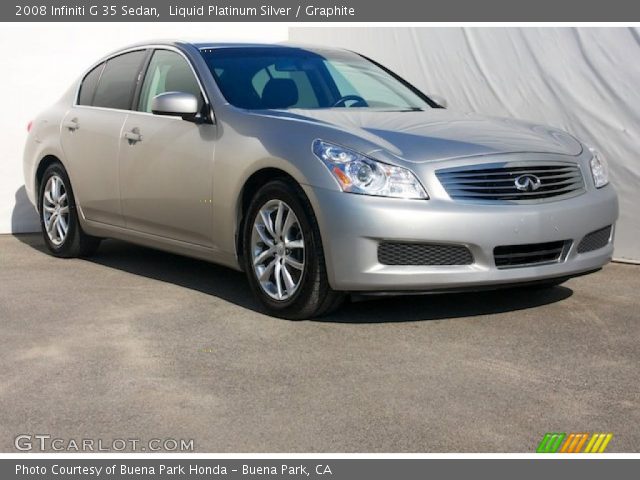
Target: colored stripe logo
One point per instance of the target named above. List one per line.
(574, 443)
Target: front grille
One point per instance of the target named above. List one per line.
(595, 240)
(497, 182)
(510, 256)
(403, 253)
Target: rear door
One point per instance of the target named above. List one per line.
(166, 175)
(91, 133)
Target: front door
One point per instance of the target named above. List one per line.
(166, 163)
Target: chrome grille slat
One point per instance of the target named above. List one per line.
(510, 187)
(514, 194)
(533, 254)
(496, 182)
(473, 173)
(509, 179)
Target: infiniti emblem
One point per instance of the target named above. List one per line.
(527, 183)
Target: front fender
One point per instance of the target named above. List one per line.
(248, 144)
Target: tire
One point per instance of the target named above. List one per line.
(307, 294)
(72, 241)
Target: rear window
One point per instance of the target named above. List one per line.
(117, 84)
(89, 84)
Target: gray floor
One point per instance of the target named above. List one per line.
(140, 344)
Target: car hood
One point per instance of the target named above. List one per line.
(439, 134)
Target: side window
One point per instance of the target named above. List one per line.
(118, 81)
(168, 72)
(89, 84)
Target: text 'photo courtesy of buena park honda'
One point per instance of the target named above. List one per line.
(318, 172)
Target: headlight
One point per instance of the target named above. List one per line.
(599, 169)
(359, 174)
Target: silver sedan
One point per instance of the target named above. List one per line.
(318, 172)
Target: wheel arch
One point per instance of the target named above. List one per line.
(44, 163)
(254, 182)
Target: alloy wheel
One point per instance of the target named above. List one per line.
(55, 210)
(277, 246)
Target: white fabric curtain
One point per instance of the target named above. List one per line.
(583, 80)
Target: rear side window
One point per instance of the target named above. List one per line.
(117, 84)
(89, 84)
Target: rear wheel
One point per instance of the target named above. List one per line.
(284, 259)
(61, 229)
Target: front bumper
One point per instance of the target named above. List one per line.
(352, 226)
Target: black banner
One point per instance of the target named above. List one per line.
(319, 469)
(318, 11)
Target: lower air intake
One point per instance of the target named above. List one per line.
(511, 256)
(595, 240)
(403, 253)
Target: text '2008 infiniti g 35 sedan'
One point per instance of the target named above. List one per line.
(318, 172)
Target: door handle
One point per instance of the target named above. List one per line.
(133, 136)
(72, 125)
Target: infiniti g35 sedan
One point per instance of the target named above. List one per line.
(318, 172)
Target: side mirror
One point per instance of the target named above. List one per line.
(440, 100)
(176, 104)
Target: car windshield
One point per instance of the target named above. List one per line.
(285, 77)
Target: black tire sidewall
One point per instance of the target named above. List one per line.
(280, 190)
(71, 239)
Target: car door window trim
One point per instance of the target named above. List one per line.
(101, 66)
(206, 105)
(106, 66)
(144, 66)
(141, 75)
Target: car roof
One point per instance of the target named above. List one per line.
(207, 45)
(204, 45)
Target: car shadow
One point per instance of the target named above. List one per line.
(24, 218)
(232, 286)
(446, 306)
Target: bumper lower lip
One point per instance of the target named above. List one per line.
(352, 226)
(474, 288)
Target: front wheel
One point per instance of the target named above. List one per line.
(283, 254)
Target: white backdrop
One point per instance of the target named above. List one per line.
(584, 80)
(40, 61)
